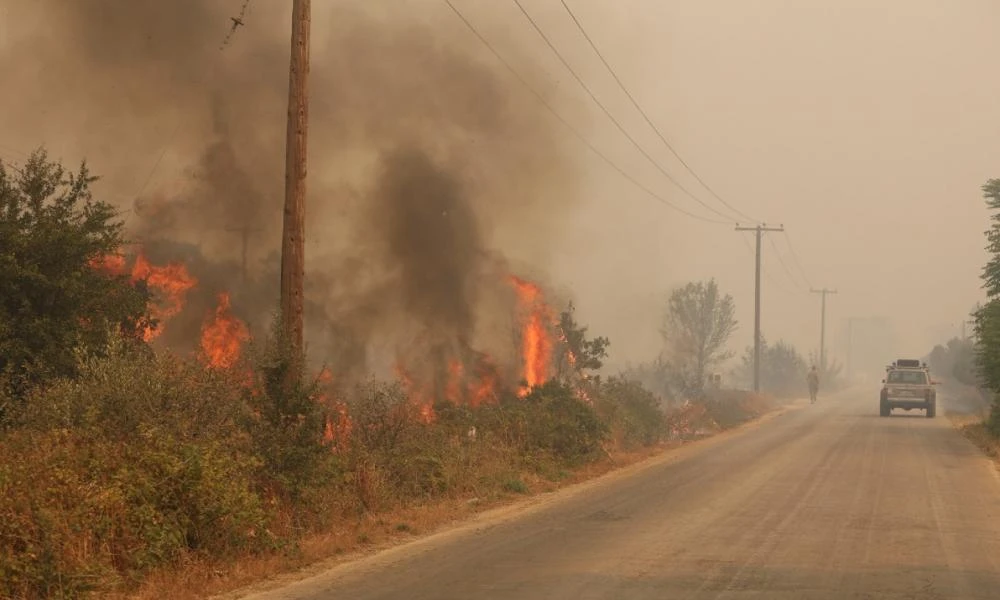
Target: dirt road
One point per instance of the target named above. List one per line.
(824, 501)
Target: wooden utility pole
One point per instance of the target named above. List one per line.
(293, 233)
(822, 327)
(759, 231)
(850, 347)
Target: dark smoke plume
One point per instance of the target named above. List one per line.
(427, 162)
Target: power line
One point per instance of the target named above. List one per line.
(603, 108)
(795, 259)
(570, 127)
(238, 22)
(646, 117)
(767, 274)
(781, 261)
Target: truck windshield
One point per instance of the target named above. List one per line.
(910, 377)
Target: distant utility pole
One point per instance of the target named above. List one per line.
(850, 346)
(293, 231)
(759, 231)
(245, 231)
(822, 326)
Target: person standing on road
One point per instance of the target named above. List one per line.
(812, 378)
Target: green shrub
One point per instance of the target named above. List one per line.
(550, 421)
(52, 299)
(285, 423)
(146, 461)
(125, 393)
(633, 413)
(105, 511)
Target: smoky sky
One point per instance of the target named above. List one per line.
(423, 162)
(866, 129)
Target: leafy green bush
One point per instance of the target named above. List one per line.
(105, 510)
(52, 299)
(285, 424)
(551, 421)
(149, 459)
(632, 413)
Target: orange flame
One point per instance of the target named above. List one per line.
(416, 395)
(171, 283)
(338, 426)
(453, 390)
(223, 336)
(110, 264)
(536, 343)
(484, 390)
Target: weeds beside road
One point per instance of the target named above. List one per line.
(148, 476)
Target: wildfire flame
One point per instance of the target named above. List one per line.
(223, 336)
(110, 264)
(170, 283)
(416, 394)
(536, 341)
(338, 426)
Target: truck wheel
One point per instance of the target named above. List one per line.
(883, 409)
(931, 410)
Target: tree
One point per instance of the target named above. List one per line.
(955, 359)
(53, 300)
(987, 317)
(782, 368)
(580, 354)
(696, 328)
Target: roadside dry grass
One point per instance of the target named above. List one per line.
(374, 532)
(974, 428)
(364, 535)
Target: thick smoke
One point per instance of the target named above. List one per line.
(427, 163)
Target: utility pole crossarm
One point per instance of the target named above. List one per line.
(758, 232)
(778, 229)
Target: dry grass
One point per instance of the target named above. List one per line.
(974, 428)
(374, 532)
(358, 537)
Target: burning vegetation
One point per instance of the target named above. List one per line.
(436, 364)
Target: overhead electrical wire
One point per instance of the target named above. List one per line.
(610, 116)
(649, 121)
(765, 272)
(795, 259)
(781, 261)
(570, 127)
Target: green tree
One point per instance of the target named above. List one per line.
(698, 323)
(987, 317)
(956, 359)
(782, 368)
(53, 301)
(580, 354)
